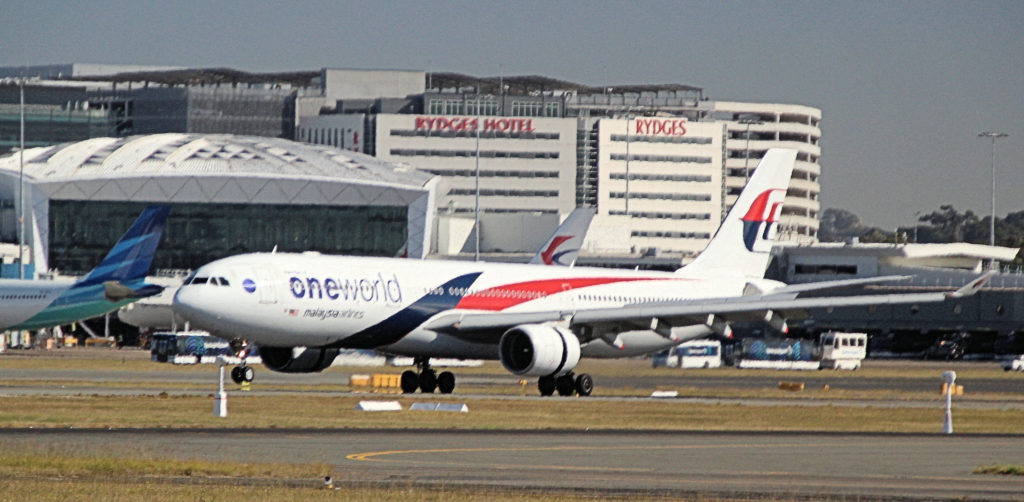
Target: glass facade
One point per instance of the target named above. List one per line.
(82, 232)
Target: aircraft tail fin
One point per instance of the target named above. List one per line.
(743, 243)
(564, 245)
(131, 257)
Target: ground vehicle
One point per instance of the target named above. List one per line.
(833, 350)
(842, 350)
(692, 354)
(1014, 363)
(190, 347)
(950, 346)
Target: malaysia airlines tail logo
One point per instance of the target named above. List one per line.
(761, 218)
(549, 255)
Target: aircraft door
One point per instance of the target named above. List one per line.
(267, 288)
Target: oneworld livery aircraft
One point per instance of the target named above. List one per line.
(118, 280)
(300, 309)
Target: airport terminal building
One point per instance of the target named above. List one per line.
(228, 195)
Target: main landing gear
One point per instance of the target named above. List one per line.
(427, 380)
(566, 385)
(243, 372)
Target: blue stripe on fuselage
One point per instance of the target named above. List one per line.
(392, 329)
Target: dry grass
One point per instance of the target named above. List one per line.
(45, 490)
(1003, 470)
(290, 411)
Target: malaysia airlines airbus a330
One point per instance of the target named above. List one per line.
(299, 309)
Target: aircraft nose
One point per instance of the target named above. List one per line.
(189, 303)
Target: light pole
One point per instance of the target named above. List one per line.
(476, 203)
(628, 118)
(20, 210)
(992, 222)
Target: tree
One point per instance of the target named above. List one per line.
(948, 225)
(839, 225)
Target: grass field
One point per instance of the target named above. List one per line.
(331, 405)
(291, 411)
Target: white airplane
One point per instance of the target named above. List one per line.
(564, 245)
(538, 321)
(118, 280)
(561, 248)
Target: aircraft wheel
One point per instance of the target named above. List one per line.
(584, 384)
(428, 381)
(410, 381)
(247, 373)
(546, 384)
(565, 385)
(446, 382)
(236, 374)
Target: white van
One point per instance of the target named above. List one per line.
(843, 351)
(691, 354)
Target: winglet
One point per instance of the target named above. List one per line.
(115, 291)
(973, 286)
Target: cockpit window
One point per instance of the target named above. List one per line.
(224, 281)
(200, 280)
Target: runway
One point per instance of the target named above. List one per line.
(864, 466)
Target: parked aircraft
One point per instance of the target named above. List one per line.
(564, 245)
(538, 321)
(118, 280)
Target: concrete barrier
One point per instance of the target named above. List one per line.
(379, 406)
(453, 407)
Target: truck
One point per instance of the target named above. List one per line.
(691, 354)
(832, 350)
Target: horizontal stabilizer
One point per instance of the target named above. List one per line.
(116, 291)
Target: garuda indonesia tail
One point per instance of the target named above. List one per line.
(118, 280)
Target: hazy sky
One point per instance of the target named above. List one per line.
(905, 86)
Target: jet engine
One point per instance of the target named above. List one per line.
(538, 350)
(297, 359)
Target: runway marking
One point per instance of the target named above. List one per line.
(370, 456)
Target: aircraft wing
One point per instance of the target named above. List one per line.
(716, 313)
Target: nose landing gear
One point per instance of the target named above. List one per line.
(243, 372)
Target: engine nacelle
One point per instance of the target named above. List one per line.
(538, 350)
(297, 359)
